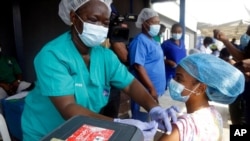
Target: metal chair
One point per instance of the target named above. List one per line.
(3, 129)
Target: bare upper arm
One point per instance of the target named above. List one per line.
(120, 50)
(174, 136)
(62, 102)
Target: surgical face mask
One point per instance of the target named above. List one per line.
(92, 35)
(175, 90)
(244, 41)
(176, 36)
(154, 30)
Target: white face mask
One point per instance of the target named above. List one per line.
(176, 36)
(175, 90)
(154, 30)
(92, 35)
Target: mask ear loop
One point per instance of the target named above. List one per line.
(193, 91)
(80, 20)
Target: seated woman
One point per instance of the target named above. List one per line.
(11, 79)
(200, 79)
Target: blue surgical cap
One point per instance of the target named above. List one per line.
(224, 81)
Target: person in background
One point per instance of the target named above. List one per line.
(118, 46)
(158, 38)
(240, 107)
(235, 108)
(174, 50)
(244, 39)
(80, 83)
(11, 80)
(210, 46)
(226, 56)
(200, 79)
(244, 66)
(146, 59)
(113, 106)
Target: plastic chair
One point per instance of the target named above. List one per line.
(3, 129)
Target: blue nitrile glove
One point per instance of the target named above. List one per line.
(148, 129)
(172, 112)
(164, 116)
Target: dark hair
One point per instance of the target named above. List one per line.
(163, 26)
(233, 40)
(174, 26)
(224, 53)
(208, 40)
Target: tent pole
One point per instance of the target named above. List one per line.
(182, 17)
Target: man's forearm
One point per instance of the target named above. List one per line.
(237, 54)
(140, 95)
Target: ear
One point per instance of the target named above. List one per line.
(202, 88)
(145, 25)
(72, 17)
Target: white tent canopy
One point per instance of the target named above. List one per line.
(232, 29)
(219, 11)
(230, 16)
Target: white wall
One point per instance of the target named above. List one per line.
(172, 11)
(169, 14)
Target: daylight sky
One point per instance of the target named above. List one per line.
(216, 11)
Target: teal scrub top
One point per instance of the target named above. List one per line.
(61, 71)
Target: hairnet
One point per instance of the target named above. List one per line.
(145, 14)
(65, 6)
(224, 81)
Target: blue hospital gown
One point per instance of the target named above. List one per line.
(148, 53)
(175, 53)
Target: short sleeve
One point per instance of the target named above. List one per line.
(53, 75)
(137, 53)
(165, 48)
(186, 129)
(120, 77)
